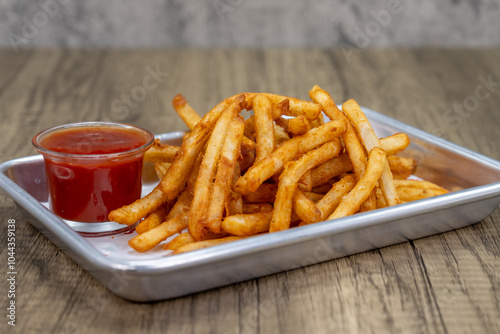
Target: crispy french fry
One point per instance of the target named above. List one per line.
(296, 106)
(204, 244)
(352, 144)
(402, 168)
(328, 203)
(180, 240)
(256, 207)
(206, 173)
(159, 152)
(351, 202)
(154, 219)
(280, 108)
(299, 125)
(185, 111)
(330, 169)
(267, 167)
(280, 135)
(289, 182)
(247, 224)
(264, 194)
(305, 208)
(370, 140)
(149, 239)
(395, 143)
(264, 127)
(227, 163)
(161, 168)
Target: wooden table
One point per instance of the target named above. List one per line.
(447, 283)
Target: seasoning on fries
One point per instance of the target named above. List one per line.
(284, 167)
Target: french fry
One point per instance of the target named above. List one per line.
(305, 208)
(264, 127)
(159, 152)
(185, 111)
(180, 240)
(264, 194)
(296, 106)
(247, 224)
(267, 167)
(402, 168)
(351, 202)
(161, 168)
(256, 207)
(330, 169)
(203, 186)
(370, 141)
(154, 219)
(328, 203)
(219, 195)
(299, 125)
(352, 144)
(289, 182)
(204, 244)
(149, 239)
(395, 143)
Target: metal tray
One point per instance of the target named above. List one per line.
(155, 275)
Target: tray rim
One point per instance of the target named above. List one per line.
(78, 244)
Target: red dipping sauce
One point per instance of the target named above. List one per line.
(92, 168)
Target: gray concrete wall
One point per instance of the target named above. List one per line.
(247, 23)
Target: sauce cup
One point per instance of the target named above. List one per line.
(92, 168)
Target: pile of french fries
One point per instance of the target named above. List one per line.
(282, 167)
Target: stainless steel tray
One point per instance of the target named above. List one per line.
(156, 275)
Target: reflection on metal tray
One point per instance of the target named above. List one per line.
(155, 275)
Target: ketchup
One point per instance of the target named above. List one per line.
(94, 170)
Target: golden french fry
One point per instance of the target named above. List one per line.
(351, 202)
(264, 127)
(330, 169)
(206, 173)
(402, 168)
(296, 106)
(256, 207)
(181, 205)
(185, 111)
(267, 167)
(159, 152)
(227, 164)
(413, 193)
(247, 224)
(305, 208)
(328, 203)
(204, 244)
(149, 239)
(280, 108)
(280, 135)
(180, 240)
(315, 197)
(370, 140)
(161, 168)
(289, 182)
(154, 219)
(395, 143)
(264, 194)
(352, 144)
(299, 125)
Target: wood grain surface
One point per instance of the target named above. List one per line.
(447, 283)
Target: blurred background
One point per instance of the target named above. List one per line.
(245, 23)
